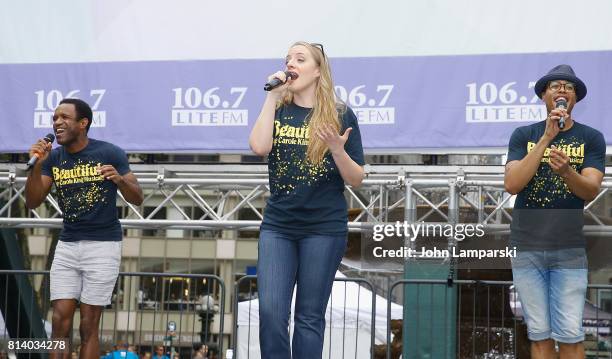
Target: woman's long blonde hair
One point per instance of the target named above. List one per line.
(325, 109)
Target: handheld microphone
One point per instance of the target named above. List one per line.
(562, 104)
(276, 82)
(49, 138)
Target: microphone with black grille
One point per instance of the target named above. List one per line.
(561, 104)
(276, 82)
(49, 138)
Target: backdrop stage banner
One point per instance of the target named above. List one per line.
(404, 104)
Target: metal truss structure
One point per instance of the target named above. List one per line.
(414, 193)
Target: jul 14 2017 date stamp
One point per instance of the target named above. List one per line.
(34, 345)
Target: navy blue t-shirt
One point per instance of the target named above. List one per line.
(547, 215)
(87, 200)
(306, 198)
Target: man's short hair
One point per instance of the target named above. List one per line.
(82, 110)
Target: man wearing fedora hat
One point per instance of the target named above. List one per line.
(553, 166)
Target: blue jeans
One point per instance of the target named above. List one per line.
(552, 286)
(284, 259)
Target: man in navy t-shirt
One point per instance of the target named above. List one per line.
(86, 174)
(553, 166)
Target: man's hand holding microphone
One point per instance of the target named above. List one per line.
(40, 150)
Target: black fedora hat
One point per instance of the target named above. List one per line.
(561, 72)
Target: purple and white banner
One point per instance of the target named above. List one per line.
(403, 103)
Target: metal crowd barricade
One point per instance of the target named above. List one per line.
(482, 334)
(348, 344)
(141, 310)
(488, 322)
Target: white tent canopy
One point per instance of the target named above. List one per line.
(348, 319)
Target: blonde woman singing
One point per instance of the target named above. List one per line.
(314, 147)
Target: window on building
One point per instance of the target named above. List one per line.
(205, 291)
(247, 287)
(124, 212)
(253, 159)
(191, 158)
(196, 213)
(150, 288)
(605, 300)
(247, 214)
(160, 214)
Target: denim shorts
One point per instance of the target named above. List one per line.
(551, 287)
(86, 271)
